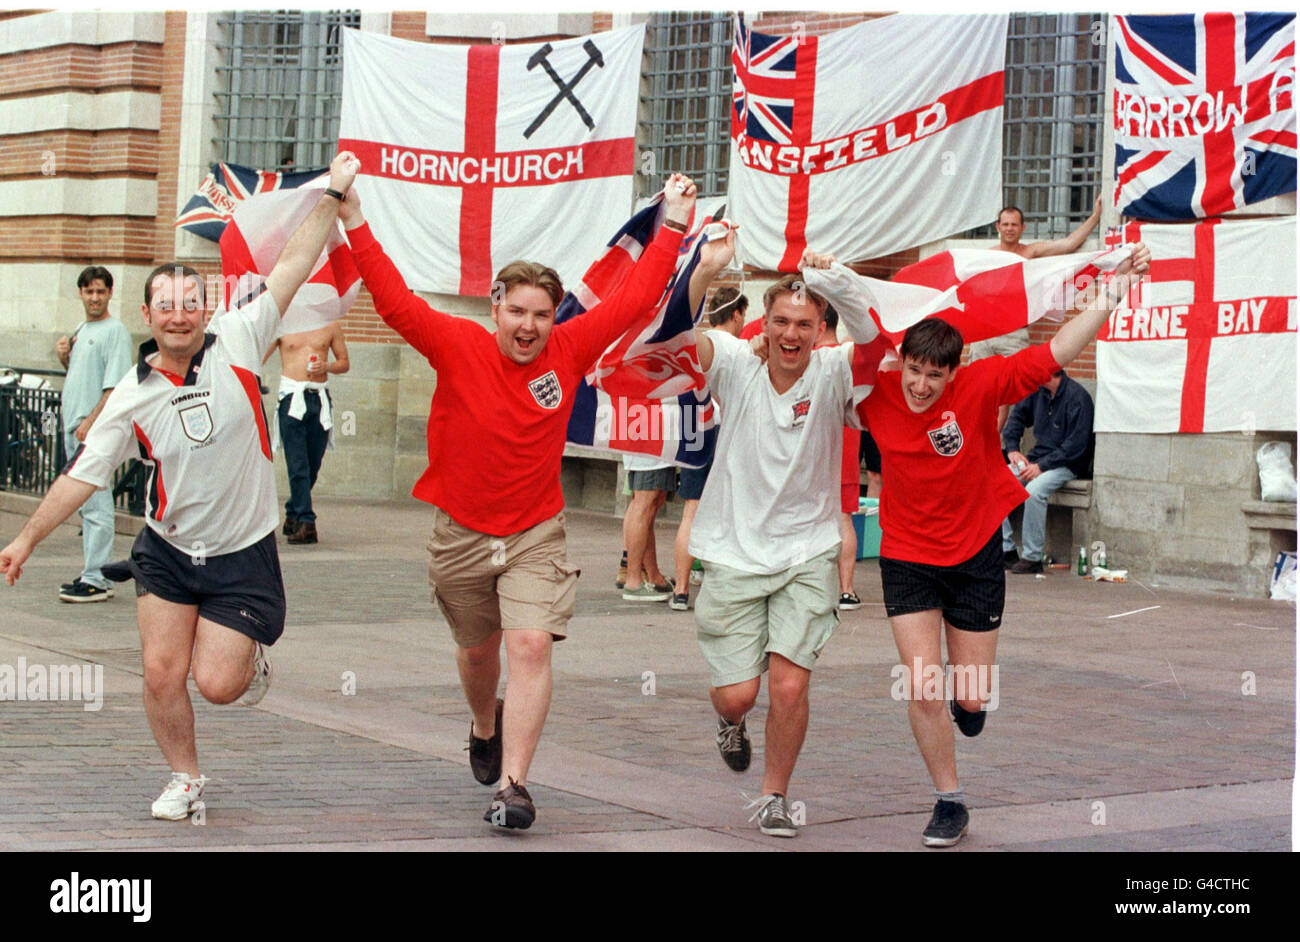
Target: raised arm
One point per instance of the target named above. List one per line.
(1071, 242)
(1078, 332)
(304, 246)
(64, 496)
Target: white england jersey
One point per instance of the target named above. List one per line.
(772, 500)
(203, 437)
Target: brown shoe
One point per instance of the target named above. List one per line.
(512, 807)
(485, 754)
(306, 532)
(1026, 566)
(290, 524)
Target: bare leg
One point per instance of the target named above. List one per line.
(167, 640)
(681, 551)
(650, 561)
(848, 553)
(638, 524)
(787, 722)
(917, 636)
(480, 676)
(528, 698)
(971, 655)
(734, 701)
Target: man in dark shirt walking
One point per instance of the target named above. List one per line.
(1060, 412)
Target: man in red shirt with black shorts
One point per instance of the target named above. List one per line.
(496, 433)
(941, 511)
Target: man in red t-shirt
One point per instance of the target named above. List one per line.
(941, 510)
(496, 433)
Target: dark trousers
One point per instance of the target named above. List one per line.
(304, 444)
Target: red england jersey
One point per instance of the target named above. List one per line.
(946, 486)
(497, 429)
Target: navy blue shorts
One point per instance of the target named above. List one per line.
(243, 590)
(690, 484)
(971, 594)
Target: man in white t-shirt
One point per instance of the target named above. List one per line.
(767, 530)
(208, 583)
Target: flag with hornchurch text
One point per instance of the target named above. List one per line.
(256, 236)
(1207, 342)
(224, 188)
(867, 140)
(647, 393)
(473, 157)
(1204, 112)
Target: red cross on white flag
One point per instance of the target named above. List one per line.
(476, 156)
(1207, 343)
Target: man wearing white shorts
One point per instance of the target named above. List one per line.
(767, 530)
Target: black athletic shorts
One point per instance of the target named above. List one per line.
(243, 590)
(868, 453)
(971, 594)
(690, 482)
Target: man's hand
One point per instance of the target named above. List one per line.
(679, 198)
(716, 254)
(83, 429)
(316, 371)
(12, 558)
(1029, 473)
(350, 211)
(813, 259)
(343, 171)
(758, 346)
(63, 347)
(1138, 262)
(1015, 457)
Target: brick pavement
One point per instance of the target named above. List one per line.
(1143, 713)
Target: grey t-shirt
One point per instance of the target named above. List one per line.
(101, 356)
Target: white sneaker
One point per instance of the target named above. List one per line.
(180, 798)
(261, 682)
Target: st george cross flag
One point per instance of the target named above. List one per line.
(647, 393)
(252, 243)
(224, 188)
(1204, 112)
(865, 141)
(1207, 342)
(473, 157)
(982, 293)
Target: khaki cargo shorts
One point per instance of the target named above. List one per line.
(483, 583)
(741, 618)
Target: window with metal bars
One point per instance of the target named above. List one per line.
(687, 124)
(1052, 122)
(281, 79)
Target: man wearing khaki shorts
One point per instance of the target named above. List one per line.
(496, 432)
(767, 530)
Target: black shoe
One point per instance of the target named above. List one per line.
(1010, 558)
(305, 532)
(1026, 566)
(70, 585)
(290, 524)
(485, 754)
(733, 743)
(970, 724)
(947, 825)
(512, 807)
(849, 601)
(84, 592)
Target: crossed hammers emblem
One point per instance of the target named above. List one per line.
(594, 58)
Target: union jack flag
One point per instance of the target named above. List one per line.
(653, 371)
(764, 87)
(1204, 112)
(225, 187)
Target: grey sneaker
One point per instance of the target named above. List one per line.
(947, 825)
(261, 681)
(733, 743)
(645, 592)
(773, 816)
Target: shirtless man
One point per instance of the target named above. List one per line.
(305, 417)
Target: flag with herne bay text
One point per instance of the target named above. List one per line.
(1207, 342)
(473, 157)
(865, 141)
(647, 393)
(1204, 112)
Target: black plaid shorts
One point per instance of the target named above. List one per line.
(971, 594)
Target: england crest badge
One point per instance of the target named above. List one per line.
(546, 390)
(197, 422)
(947, 439)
